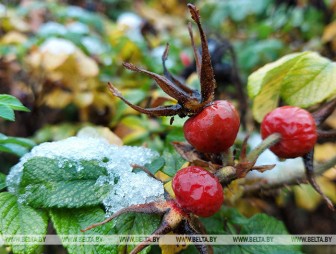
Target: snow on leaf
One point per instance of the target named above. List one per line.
(64, 183)
(58, 46)
(112, 163)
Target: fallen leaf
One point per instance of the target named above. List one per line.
(329, 32)
(14, 37)
(100, 132)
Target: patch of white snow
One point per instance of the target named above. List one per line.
(129, 187)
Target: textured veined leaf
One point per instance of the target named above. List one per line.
(230, 221)
(62, 183)
(136, 224)
(299, 79)
(71, 221)
(17, 219)
(2, 181)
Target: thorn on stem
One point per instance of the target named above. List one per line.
(308, 160)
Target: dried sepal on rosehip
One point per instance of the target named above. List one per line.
(213, 126)
(189, 101)
(197, 191)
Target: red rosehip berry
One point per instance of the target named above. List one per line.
(186, 61)
(297, 128)
(214, 129)
(197, 191)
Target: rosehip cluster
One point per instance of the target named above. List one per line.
(211, 130)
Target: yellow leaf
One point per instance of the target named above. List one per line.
(162, 21)
(87, 67)
(18, 23)
(306, 197)
(170, 249)
(330, 174)
(162, 176)
(14, 37)
(58, 98)
(168, 187)
(325, 151)
(100, 132)
(329, 32)
(331, 120)
(328, 187)
(251, 206)
(83, 99)
(51, 61)
(130, 129)
(234, 191)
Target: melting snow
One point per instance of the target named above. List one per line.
(282, 170)
(129, 187)
(58, 46)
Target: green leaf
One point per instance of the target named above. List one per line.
(134, 96)
(12, 102)
(62, 183)
(57, 132)
(6, 112)
(3, 183)
(155, 165)
(19, 219)
(25, 142)
(71, 221)
(173, 162)
(8, 104)
(174, 134)
(264, 85)
(17, 146)
(230, 221)
(310, 81)
(136, 224)
(300, 79)
(14, 149)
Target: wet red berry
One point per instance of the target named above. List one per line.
(186, 61)
(297, 128)
(214, 129)
(197, 191)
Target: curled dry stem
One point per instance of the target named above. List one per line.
(308, 160)
(321, 114)
(326, 136)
